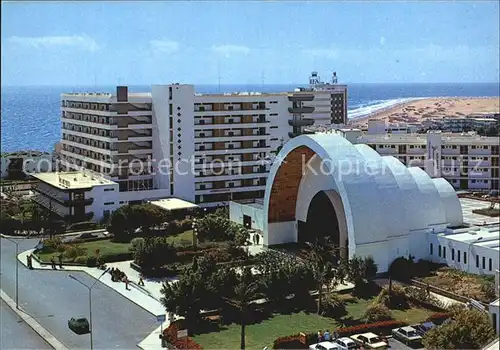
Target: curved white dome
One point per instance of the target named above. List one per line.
(380, 200)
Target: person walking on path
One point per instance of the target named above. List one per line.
(53, 262)
(60, 258)
(141, 282)
(29, 260)
(257, 237)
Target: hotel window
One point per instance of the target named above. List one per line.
(484, 262)
(477, 261)
(439, 251)
(444, 252)
(490, 263)
(458, 255)
(452, 254)
(465, 257)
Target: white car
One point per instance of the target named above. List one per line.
(369, 340)
(345, 343)
(407, 335)
(326, 345)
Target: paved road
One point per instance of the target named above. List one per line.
(52, 298)
(15, 334)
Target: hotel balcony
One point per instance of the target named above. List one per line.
(301, 97)
(301, 122)
(300, 110)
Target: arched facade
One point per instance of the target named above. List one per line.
(383, 208)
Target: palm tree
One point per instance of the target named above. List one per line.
(245, 292)
(320, 257)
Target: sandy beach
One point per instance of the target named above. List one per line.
(432, 108)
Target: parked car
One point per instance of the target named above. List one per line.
(79, 325)
(345, 343)
(407, 335)
(326, 345)
(423, 328)
(369, 340)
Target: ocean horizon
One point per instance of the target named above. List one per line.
(30, 115)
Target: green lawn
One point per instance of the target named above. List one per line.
(108, 247)
(263, 334)
(411, 316)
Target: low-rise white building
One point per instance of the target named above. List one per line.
(76, 196)
(471, 249)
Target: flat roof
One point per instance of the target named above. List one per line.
(486, 237)
(173, 204)
(73, 180)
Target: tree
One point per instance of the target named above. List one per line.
(152, 252)
(361, 271)
(123, 224)
(245, 292)
(188, 296)
(468, 329)
(377, 312)
(320, 256)
(283, 275)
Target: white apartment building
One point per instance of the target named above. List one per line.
(76, 196)
(204, 148)
(467, 161)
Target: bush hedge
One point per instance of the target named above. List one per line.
(383, 327)
(170, 336)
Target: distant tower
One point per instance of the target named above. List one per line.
(314, 79)
(334, 78)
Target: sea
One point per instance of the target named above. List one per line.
(30, 116)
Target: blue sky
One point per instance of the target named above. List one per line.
(101, 43)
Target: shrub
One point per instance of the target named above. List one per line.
(109, 258)
(91, 261)
(333, 306)
(52, 244)
(377, 312)
(81, 260)
(397, 299)
(170, 335)
(74, 251)
(382, 327)
(402, 269)
(488, 291)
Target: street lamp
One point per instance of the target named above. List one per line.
(17, 270)
(90, 302)
(468, 251)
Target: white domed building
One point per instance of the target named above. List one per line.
(368, 204)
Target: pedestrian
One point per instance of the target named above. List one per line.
(326, 335)
(335, 335)
(29, 259)
(53, 262)
(141, 282)
(257, 237)
(60, 257)
(126, 282)
(320, 336)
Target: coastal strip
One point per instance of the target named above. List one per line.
(421, 109)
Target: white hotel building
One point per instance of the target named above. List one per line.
(113, 134)
(467, 161)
